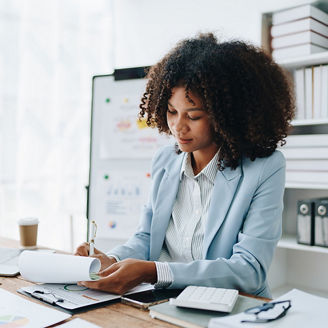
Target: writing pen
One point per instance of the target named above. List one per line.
(93, 236)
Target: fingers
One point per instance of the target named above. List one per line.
(117, 278)
(109, 270)
(107, 284)
(88, 284)
(82, 250)
(97, 251)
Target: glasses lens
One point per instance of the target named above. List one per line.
(253, 311)
(278, 310)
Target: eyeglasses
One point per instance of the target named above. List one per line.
(268, 311)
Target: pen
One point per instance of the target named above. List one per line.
(93, 236)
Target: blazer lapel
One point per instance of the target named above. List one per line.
(167, 194)
(224, 190)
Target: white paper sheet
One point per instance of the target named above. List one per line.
(307, 311)
(16, 311)
(78, 323)
(56, 268)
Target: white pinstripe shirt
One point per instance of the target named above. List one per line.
(185, 233)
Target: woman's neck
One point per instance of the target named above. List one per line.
(200, 158)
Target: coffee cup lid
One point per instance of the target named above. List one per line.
(28, 221)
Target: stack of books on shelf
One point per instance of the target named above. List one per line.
(299, 31)
(311, 91)
(306, 161)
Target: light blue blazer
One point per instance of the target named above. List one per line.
(241, 231)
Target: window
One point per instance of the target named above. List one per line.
(49, 52)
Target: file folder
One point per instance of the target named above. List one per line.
(321, 223)
(305, 221)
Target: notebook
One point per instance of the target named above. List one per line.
(193, 318)
(9, 261)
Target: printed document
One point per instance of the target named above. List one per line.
(57, 268)
(16, 311)
(78, 323)
(307, 311)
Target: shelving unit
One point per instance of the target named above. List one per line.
(296, 265)
(310, 122)
(288, 241)
(295, 185)
(311, 60)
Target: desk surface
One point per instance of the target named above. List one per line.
(113, 315)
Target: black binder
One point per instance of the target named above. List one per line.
(305, 221)
(321, 223)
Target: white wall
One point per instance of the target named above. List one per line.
(144, 30)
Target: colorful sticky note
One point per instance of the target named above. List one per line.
(142, 123)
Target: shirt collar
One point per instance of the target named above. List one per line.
(209, 170)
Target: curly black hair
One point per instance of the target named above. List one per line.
(248, 97)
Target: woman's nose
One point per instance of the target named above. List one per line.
(180, 125)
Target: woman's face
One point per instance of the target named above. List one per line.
(189, 123)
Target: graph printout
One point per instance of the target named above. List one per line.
(16, 311)
(121, 196)
(122, 134)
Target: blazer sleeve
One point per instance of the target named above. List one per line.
(253, 251)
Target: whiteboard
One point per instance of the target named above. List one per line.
(122, 147)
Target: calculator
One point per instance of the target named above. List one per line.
(207, 298)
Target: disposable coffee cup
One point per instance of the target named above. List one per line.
(28, 231)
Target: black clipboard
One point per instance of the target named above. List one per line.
(81, 309)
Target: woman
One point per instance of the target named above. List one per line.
(215, 208)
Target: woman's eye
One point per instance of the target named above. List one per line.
(194, 118)
(171, 111)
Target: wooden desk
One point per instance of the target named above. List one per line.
(112, 315)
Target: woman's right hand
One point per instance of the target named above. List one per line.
(106, 261)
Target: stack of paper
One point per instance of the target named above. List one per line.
(307, 311)
(78, 323)
(306, 160)
(57, 268)
(299, 31)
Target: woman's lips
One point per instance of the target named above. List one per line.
(184, 141)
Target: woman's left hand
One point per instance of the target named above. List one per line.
(123, 276)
